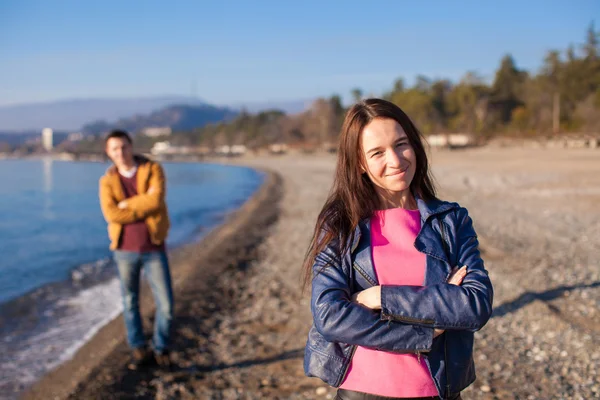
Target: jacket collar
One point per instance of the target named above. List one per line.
(138, 159)
(427, 209)
(427, 240)
(432, 207)
(112, 176)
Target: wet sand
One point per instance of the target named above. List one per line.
(241, 320)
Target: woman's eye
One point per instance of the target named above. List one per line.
(400, 144)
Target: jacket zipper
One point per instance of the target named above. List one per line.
(347, 365)
(433, 378)
(410, 320)
(363, 274)
(445, 240)
(446, 366)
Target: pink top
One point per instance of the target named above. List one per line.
(135, 235)
(396, 262)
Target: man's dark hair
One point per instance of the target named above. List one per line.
(118, 133)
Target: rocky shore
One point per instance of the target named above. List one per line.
(241, 320)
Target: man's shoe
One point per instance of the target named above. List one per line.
(162, 358)
(140, 357)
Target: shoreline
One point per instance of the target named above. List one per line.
(87, 272)
(110, 338)
(242, 319)
(43, 326)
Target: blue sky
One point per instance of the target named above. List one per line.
(245, 51)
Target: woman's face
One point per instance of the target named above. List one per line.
(389, 159)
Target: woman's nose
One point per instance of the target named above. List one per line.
(393, 159)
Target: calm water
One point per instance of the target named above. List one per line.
(57, 284)
(51, 220)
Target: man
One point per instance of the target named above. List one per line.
(132, 198)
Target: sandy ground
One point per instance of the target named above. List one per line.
(241, 320)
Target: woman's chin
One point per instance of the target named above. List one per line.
(398, 187)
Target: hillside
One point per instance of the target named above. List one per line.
(178, 117)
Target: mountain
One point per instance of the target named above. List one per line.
(71, 115)
(20, 138)
(287, 106)
(178, 117)
(17, 139)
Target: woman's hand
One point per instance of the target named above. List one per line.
(456, 278)
(370, 298)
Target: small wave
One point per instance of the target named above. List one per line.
(91, 271)
(31, 348)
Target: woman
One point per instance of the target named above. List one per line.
(393, 314)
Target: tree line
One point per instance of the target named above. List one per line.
(563, 96)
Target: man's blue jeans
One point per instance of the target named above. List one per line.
(156, 270)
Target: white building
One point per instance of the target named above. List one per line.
(461, 140)
(161, 148)
(155, 131)
(75, 137)
(451, 140)
(165, 148)
(238, 149)
(47, 139)
(278, 148)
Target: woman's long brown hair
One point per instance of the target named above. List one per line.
(353, 197)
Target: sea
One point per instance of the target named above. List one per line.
(58, 284)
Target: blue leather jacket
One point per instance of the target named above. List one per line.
(408, 314)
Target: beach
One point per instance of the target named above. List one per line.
(241, 319)
(57, 293)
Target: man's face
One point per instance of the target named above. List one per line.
(120, 151)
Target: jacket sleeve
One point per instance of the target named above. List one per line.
(110, 209)
(446, 306)
(338, 319)
(147, 203)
